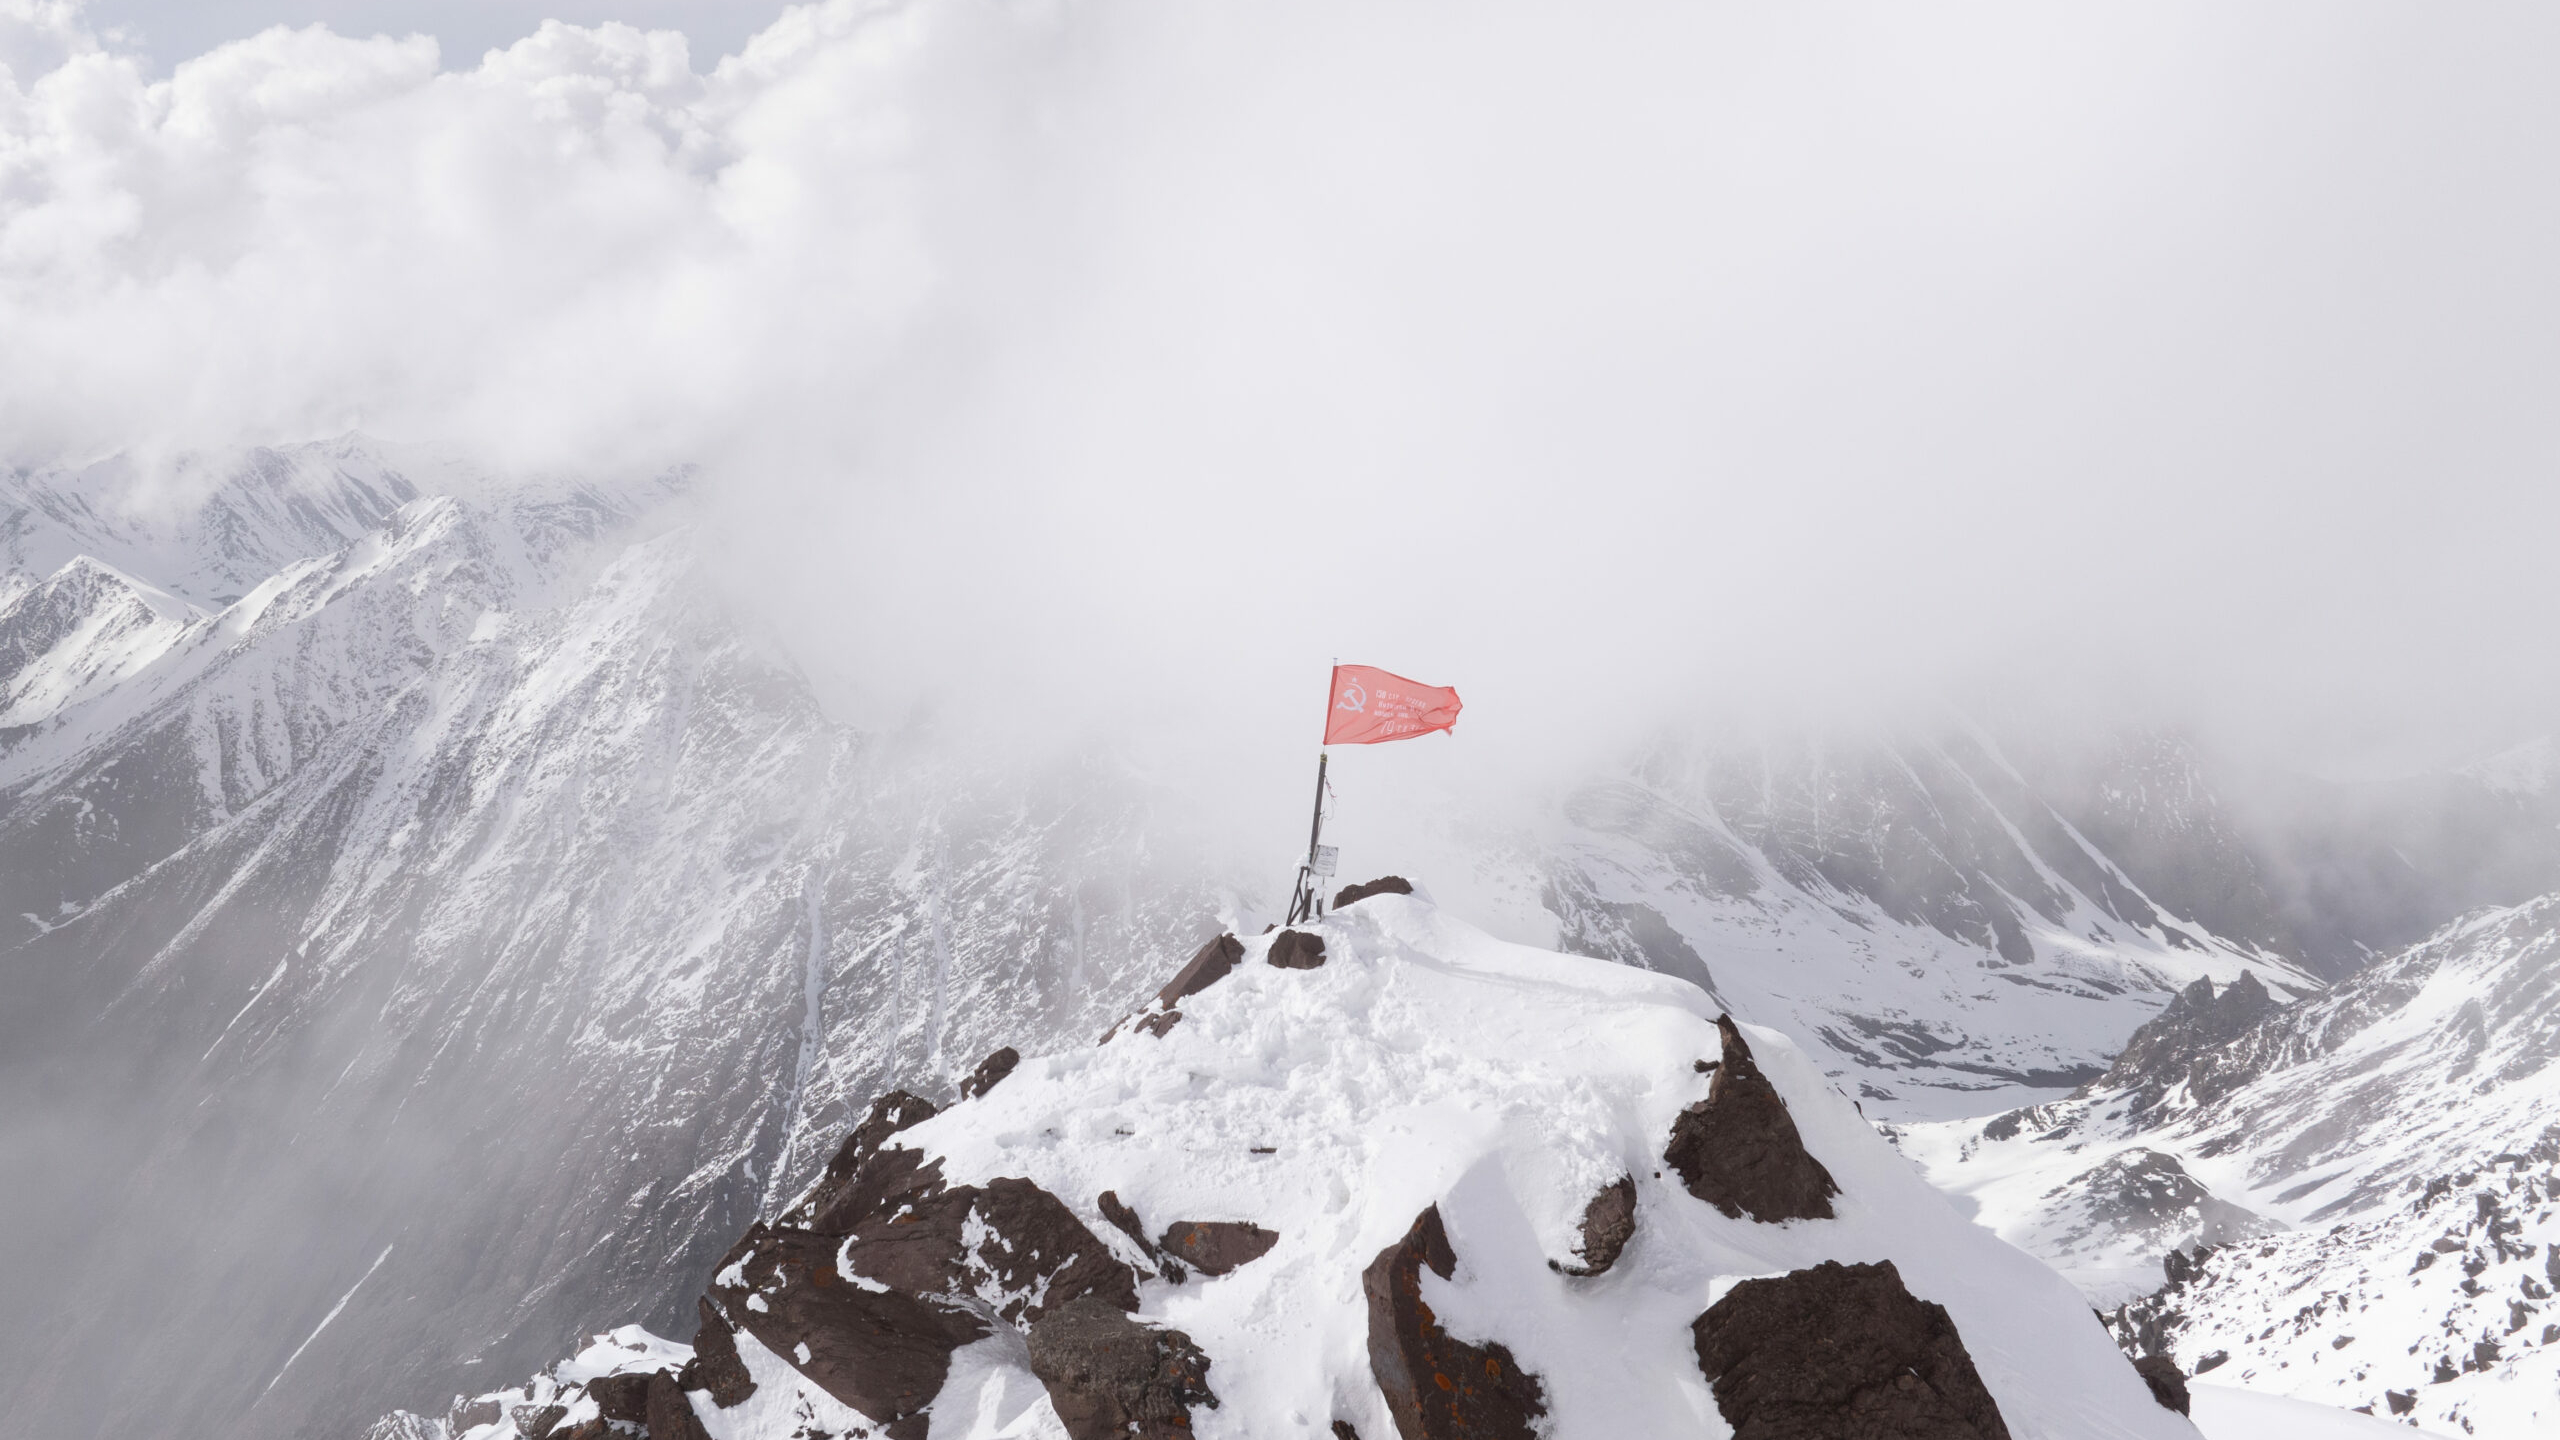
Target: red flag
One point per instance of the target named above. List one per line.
(1370, 706)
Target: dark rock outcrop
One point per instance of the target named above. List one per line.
(2190, 1042)
(1608, 1223)
(623, 1397)
(2168, 1383)
(1297, 950)
(990, 1070)
(1438, 1387)
(1214, 1247)
(1838, 1351)
(668, 1415)
(1114, 1378)
(1383, 885)
(883, 1352)
(869, 1286)
(890, 1114)
(1209, 966)
(1738, 1149)
(716, 1367)
(536, 1422)
(1125, 1220)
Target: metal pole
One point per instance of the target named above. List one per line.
(1302, 906)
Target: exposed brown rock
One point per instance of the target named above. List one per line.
(1297, 950)
(1841, 1351)
(1438, 1387)
(470, 1414)
(1125, 1220)
(890, 1114)
(836, 1208)
(1343, 1430)
(1383, 885)
(621, 1397)
(1738, 1149)
(990, 1070)
(1207, 968)
(1214, 1247)
(668, 1414)
(1160, 1024)
(885, 1353)
(1608, 1223)
(1036, 1245)
(2168, 1383)
(1113, 1378)
(536, 1422)
(716, 1366)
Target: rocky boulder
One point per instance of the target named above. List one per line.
(1738, 1149)
(1214, 1247)
(2168, 1383)
(990, 1071)
(1383, 885)
(890, 1270)
(1608, 1223)
(1297, 950)
(1206, 968)
(1436, 1386)
(1839, 1351)
(1113, 1378)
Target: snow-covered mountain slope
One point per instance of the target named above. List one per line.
(419, 937)
(76, 632)
(1918, 913)
(2331, 1153)
(1406, 1180)
(2530, 769)
(2330, 1109)
(2439, 1309)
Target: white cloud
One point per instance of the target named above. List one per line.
(579, 250)
(2179, 354)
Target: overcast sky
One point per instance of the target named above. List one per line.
(174, 30)
(2154, 359)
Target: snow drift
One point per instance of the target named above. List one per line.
(1414, 1181)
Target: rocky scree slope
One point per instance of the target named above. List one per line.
(2438, 1310)
(1382, 1175)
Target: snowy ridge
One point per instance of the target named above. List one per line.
(80, 630)
(1420, 1064)
(2530, 769)
(211, 527)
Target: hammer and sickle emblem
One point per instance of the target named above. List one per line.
(1354, 699)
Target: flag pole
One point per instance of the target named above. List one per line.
(1302, 906)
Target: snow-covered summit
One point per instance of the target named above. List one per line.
(1381, 1175)
(79, 630)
